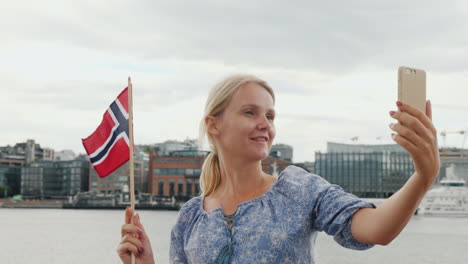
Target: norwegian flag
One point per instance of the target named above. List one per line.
(108, 147)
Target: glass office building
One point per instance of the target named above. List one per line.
(54, 179)
(10, 180)
(374, 171)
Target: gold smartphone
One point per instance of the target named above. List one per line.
(412, 87)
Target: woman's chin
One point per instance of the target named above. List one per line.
(259, 156)
(254, 154)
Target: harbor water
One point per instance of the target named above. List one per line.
(58, 236)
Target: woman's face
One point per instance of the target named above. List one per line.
(246, 128)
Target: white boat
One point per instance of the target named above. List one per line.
(450, 198)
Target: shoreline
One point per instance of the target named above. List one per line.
(62, 204)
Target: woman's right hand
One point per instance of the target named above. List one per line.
(134, 240)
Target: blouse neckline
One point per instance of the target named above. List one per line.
(243, 203)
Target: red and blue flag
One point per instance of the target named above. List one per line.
(108, 147)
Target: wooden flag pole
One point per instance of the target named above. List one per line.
(130, 129)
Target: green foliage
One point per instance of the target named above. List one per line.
(5, 190)
(147, 149)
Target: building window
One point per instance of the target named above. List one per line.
(197, 187)
(181, 187)
(161, 188)
(171, 188)
(189, 188)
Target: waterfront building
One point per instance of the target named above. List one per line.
(177, 173)
(142, 154)
(10, 180)
(368, 171)
(169, 146)
(307, 165)
(11, 160)
(54, 179)
(119, 180)
(66, 154)
(75, 176)
(28, 152)
(10, 171)
(363, 148)
(282, 151)
(48, 154)
(274, 166)
(457, 157)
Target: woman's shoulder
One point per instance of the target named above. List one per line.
(191, 206)
(298, 184)
(294, 175)
(187, 213)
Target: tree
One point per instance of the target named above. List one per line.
(147, 149)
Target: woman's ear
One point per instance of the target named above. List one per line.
(211, 125)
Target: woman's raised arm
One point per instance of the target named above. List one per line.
(418, 136)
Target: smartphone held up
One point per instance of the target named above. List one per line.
(412, 87)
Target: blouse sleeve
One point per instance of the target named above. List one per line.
(334, 211)
(331, 208)
(178, 232)
(176, 250)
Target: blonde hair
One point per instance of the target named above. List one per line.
(218, 99)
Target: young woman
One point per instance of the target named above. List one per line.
(247, 216)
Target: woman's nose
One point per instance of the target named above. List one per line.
(263, 123)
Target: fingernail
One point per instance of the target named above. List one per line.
(398, 103)
(138, 218)
(392, 112)
(393, 135)
(142, 249)
(139, 231)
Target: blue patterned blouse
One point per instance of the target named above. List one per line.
(278, 227)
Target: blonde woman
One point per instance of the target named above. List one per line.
(244, 215)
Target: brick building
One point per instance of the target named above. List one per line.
(274, 166)
(178, 173)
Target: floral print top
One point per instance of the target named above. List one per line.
(278, 227)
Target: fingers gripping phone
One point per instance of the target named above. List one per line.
(412, 87)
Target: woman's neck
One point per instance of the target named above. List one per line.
(240, 179)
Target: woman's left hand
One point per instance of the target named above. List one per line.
(417, 134)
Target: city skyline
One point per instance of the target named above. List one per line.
(334, 70)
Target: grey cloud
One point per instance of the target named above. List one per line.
(322, 36)
(97, 95)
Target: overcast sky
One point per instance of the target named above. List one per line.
(332, 64)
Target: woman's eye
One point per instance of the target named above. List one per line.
(249, 112)
(270, 117)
